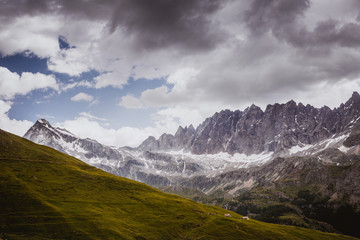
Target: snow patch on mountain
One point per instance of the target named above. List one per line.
(310, 149)
(213, 164)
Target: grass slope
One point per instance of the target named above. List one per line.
(45, 194)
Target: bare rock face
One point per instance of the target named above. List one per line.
(354, 138)
(214, 134)
(169, 141)
(150, 144)
(252, 131)
(182, 136)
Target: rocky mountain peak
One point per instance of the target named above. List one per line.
(253, 109)
(149, 144)
(85, 149)
(252, 113)
(277, 129)
(291, 105)
(354, 100)
(180, 131)
(356, 96)
(41, 126)
(191, 129)
(43, 121)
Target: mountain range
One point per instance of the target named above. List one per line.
(225, 142)
(286, 149)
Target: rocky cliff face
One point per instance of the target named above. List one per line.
(252, 131)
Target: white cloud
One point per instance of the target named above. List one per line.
(45, 116)
(82, 97)
(328, 94)
(114, 79)
(72, 85)
(129, 101)
(156, 97)
(91, 117)
(146, 71)
(95, 102)
(126, 136)
(70, 61)
(12, 84)
(12, 125)
(37, 34)
(178, 115)
(182, 77)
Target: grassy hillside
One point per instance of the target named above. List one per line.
(45, 194)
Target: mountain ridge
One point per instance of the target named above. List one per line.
(277, 129)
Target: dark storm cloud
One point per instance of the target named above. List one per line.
(152, 24)
(282, 54)
(283, 18)
(92, 9)
(160, 23)
(275, 15)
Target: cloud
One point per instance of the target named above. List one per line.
(328, 94)
(130, 101)
(37, 34)
(284, 19)
(12, 125)
(160, 24)
(125, 136)
(275, 15)
(72, 85)
(183, 116)
(45, 116)
(155, 97)
(69, 61)
(91, 117)
(115, 79)
(12, 84)
(82, 97)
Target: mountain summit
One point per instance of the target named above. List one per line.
(64, 141)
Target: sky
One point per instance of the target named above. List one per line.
(118, 71)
